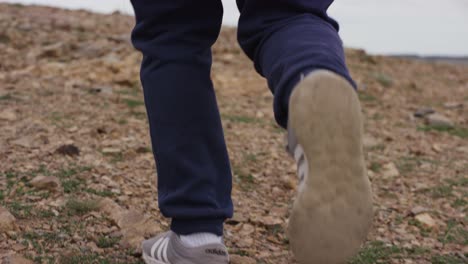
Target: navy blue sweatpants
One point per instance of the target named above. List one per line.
(285, 39)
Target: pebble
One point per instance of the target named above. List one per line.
(111, 151)
(422, 112)
(68, 150)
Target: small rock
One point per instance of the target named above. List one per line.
(68, 150)
(289, 182)
(237, 219)
(425, 219)
(7, 220)
(12, 234)
(237, 259)
(245, 242)
(8, 115)
(453, 105)
(94, 247)
(418, 210)
(111, 208)
(270, 221)
(109, 182)
(111, 150)
(389, 171)
(18, 247)
(50, 183)
(438, 120)
(422, 112)
(436, 148)
(53, 51)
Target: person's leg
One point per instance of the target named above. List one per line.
(194, 175)
(287, 39)
(296, 46)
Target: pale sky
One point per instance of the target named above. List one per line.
(425, 27)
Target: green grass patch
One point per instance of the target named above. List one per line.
(246, 180)
(240, 119)
(376, 252)
(459, 202)
(139, 115)
(131, 103)
(80, 207)
(447, 259)
(443, 191)
(131, 91)
(41, 242)
(423, 231)
(57, 118)
(375, 167)
(460, 132)
(104, 193)
(44, 213)
(365, 97)
(239, 252)
(19, 210)
(85, 259)
(6, 97)
(71, 186)
(409, 163)
(446, 189)
(383, 79)
(378, 116)
(454, 234)
(107, 242)
(250, 157)
(67, 176)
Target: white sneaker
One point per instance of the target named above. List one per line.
(332, 213)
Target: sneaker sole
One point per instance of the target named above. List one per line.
(150, 260)
(332, 215)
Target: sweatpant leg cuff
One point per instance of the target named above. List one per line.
(191, 226)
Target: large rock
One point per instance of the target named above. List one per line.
(438, 120)
(45, 183)
(134, 226)
(7, 220)
(16, 259)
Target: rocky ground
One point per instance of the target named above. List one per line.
(77, 177)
